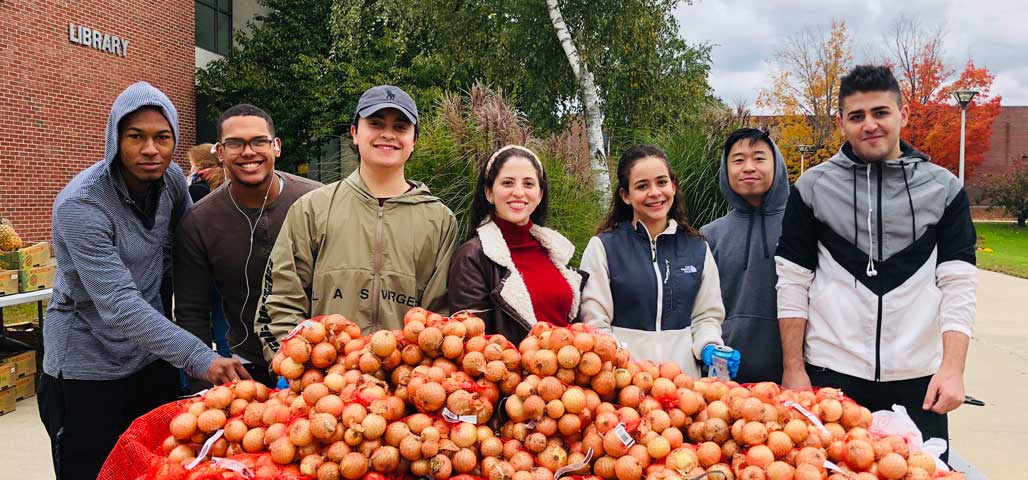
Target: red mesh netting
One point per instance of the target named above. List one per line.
(137, 448)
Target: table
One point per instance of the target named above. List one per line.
(17, 299)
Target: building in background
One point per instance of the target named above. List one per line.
(63, 63)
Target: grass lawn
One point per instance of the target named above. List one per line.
(1002, 247)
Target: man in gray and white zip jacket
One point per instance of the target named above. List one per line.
(876, 266)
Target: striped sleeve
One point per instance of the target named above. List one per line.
(88, 234)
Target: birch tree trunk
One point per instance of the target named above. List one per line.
(590, 100)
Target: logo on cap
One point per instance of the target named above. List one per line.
(390, 95)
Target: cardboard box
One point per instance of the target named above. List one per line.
(25, 388)
(9, 283)
(8, 374)
(36, 278)
(24, 363)
(8, 400)
(22, 258)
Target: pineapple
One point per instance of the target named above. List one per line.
(9, 239)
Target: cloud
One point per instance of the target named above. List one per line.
(744, 35)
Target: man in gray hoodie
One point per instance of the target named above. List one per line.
(755, 182)
(109, 349)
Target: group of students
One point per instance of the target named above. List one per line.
(816, 283)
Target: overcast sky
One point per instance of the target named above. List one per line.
(745, 33)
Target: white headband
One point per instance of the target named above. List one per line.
(532, 156)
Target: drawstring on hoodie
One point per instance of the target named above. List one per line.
(763, 231)
(749, 236)
(870, 271)
(910, 199)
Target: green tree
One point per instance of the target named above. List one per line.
(285, 67)
(1009, 192)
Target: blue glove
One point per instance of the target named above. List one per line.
(731, 356)
(283, 383)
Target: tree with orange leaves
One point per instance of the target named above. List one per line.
(934, 126)
(804, 94)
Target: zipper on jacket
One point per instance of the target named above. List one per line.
(376, 271)
(660, 284)
(878, 330)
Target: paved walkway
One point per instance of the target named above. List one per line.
(993, 438)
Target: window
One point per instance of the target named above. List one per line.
(214, 25)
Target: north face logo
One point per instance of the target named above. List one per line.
(390, 95)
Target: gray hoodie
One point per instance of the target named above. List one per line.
(743, 244)
(106, 320)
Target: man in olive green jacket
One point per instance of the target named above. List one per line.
(369, 247)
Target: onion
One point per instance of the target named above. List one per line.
(385, 459)
(430, 397)
(211, 420)
(291, 369)
(613, 446)
(328, 471)
(353, 466)
(315, 332)
(235, 430)
(430, 340)
(310, 464)
(181, 454)
(812, 456)
(754, 433)
(659, 447)
(491, 447)
(300, 432)
(569, 424)
(631, 396)
(183, 426)
(282, 451)
(544, 363)
(752, 472)
(681, 460)
(410, 448)
(465, 460)
(323, 355)
(628, 468)
(218, 397)
(297, 349)
(452, 347)
(760, 455)
(859, 454)
(708, 453)
(253, 440)
(716, 430)
(374, 426)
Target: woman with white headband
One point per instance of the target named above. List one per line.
(512, 270)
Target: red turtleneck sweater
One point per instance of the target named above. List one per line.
(551, 295)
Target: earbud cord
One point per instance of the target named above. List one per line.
(249, 253)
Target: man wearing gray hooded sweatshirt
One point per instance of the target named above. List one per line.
(109, 349)
(755, 183)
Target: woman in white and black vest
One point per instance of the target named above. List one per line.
(653, 283)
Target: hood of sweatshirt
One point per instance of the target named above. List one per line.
(136, 96)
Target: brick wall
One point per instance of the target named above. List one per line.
(55, 96)
(1007, 150)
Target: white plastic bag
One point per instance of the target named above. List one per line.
(897, 422)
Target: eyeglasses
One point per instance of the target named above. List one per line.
(236, 145)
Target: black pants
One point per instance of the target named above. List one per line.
(84, 418)
(883, 395)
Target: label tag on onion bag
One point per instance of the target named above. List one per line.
(574, 467)
(206, 449)
(233, 465)
(719, 368)
(623, 435)
(454, 418)
(297, 329)
(810, 416)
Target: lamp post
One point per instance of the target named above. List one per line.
(963, 97)
(804, 149)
